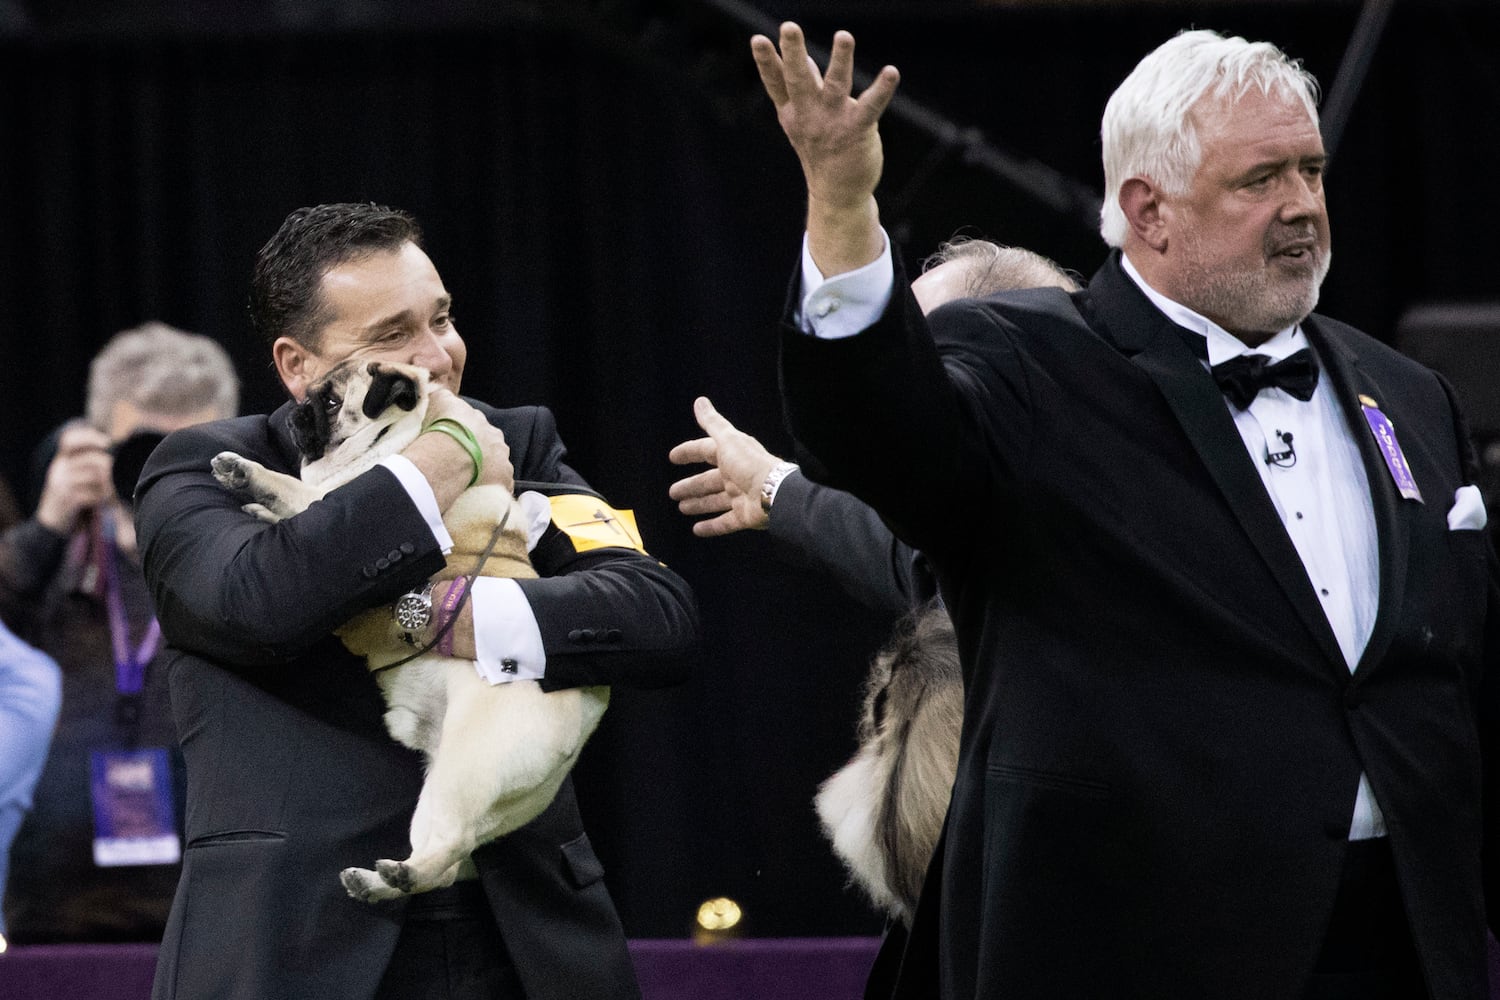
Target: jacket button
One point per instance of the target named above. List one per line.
(382, 564)
(587, 634)
(575, 636)
(408, 548)
(370, 572)
(613, 635)
(394, 555)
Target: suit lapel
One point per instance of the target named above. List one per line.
(1155, 345)
(1392, 517)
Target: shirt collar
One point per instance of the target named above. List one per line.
(1222, 345)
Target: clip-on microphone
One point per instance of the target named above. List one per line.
(1283, 459)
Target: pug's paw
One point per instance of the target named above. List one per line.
(396, 873)
(231, 470)
(366, 886)
(261, 511)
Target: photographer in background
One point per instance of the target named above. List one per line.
(97, 858)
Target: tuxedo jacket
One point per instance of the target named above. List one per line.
(830, 531)
(291, 776)
(1162, 740)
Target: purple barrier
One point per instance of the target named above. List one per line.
(95, 971)
(756, 969)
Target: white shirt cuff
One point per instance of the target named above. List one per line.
(507, 639)
(848, 303)
(537, 510)
(420, 490)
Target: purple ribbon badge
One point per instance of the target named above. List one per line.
(1390, 449)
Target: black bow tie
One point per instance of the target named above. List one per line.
(1242, 378)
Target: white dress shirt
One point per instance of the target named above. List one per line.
(1322, 494)
(507, 638)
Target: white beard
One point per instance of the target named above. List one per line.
(1244, 299)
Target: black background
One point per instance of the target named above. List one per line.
(607, 196)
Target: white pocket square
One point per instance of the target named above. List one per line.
(1467, 512)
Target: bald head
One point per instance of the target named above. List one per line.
(968, 269)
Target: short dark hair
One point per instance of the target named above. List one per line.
(285, 287)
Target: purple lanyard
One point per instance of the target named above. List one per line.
(130, 665)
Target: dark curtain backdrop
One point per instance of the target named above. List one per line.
(608, 198)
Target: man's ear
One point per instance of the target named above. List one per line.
(1141, 202)
(294, 364)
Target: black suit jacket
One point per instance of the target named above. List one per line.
(835, 533)
(291, 775)
(1162, 741)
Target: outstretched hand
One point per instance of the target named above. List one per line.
(731, 489)
(836, 138)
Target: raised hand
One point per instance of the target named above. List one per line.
(836, 138)
(731, 489)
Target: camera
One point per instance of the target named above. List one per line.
(130, 456)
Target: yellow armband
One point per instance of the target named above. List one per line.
(590, 523)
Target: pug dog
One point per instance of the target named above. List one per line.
(496, 754)
(883, 811)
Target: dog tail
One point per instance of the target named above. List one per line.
(918, 716)
(883, 811)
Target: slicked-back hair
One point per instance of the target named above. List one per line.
(1148, 128)
(286, 286)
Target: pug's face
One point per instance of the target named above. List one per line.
(359, 412)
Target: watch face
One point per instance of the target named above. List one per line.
(414, 611)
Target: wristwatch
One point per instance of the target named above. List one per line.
(413, 613)
(778, 472)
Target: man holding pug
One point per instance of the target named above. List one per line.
(292, 776)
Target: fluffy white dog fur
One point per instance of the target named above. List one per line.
(496, 754)
(883, 811)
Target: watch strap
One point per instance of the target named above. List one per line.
(778, 472)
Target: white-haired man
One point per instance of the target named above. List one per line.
(1226, 682)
